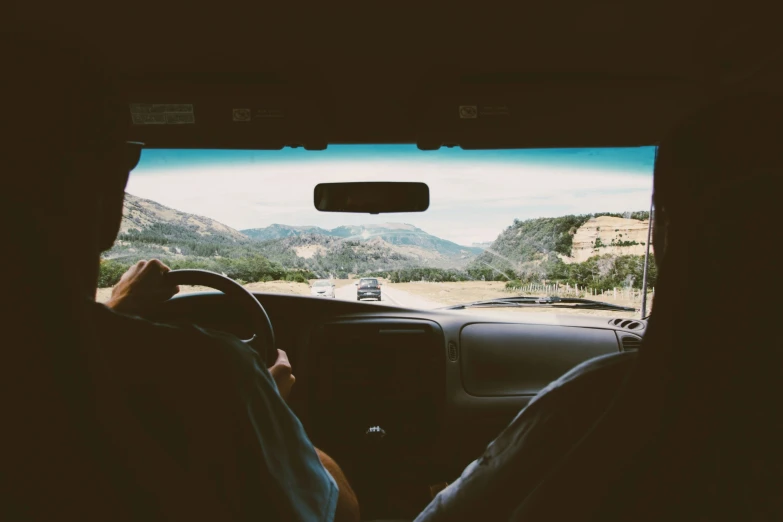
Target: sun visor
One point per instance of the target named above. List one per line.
(550, 111)
(228, 112)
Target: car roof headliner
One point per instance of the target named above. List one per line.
(563, 75)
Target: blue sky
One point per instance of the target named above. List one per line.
(474, 194)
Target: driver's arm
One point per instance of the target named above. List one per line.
(347, 503)
(312, 482)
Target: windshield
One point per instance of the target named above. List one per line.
(567, 223)
(368, 283)
(322, 283)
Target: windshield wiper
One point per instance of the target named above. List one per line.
(530, 301)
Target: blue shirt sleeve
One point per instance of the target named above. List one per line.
(214, 409)
(310, 491)
(273, 439)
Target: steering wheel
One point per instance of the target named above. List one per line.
(263, 340)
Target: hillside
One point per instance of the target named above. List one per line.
(332, 256)
(139, 214)
(282, 231)
(528, 249)
(151, 230)
(402, 234)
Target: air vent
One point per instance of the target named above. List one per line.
(453, 352)
(630, 343)
(628, 324)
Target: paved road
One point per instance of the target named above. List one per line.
(389, 296)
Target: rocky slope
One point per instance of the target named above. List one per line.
(526, 247)
(608, 235)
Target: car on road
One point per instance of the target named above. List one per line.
(322, 288)
(368, 288)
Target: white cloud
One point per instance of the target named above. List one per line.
(470, 201)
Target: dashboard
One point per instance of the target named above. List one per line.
(403, 399)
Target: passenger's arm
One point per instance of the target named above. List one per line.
(507, 471)
(524, 453)
(347, 504)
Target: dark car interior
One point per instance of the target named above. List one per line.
(404, 399)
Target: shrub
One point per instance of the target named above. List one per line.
(110, 272)
(297, 277)
(514, 285)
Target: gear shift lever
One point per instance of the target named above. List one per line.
(375, 434)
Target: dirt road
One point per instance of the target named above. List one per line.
(427, 296)
(424, 296)
(389, 295)
(273, 287)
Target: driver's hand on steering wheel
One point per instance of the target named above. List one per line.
(281, 373)
(142, 285)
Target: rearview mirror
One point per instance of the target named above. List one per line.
(372, 197)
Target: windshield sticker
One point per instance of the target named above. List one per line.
(241, 114)
(468, 112)
(267, 112)
(162, 113)
(495, 110)
(256, 114)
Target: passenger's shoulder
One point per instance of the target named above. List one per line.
(567, 405)
(593, 379)
(602, 367)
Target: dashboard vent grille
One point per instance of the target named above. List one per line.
(630, 343)
(628, 324)
(453, 352)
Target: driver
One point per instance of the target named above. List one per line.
(108, 416)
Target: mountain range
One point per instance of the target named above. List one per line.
(407, 239)
(526, 248)
(150, 229)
